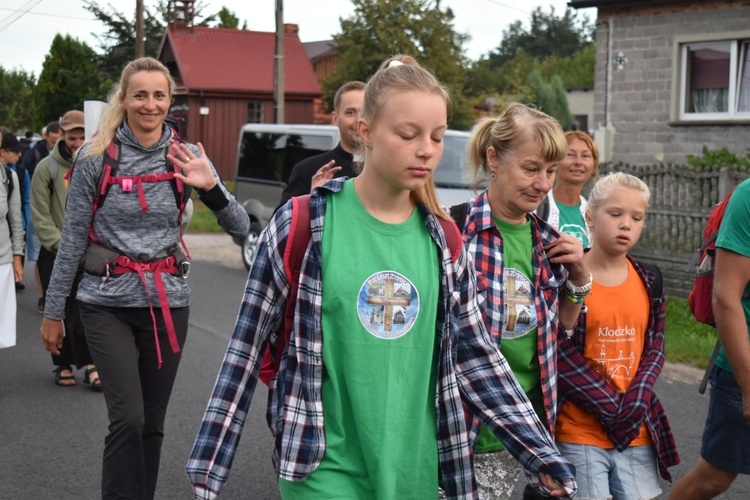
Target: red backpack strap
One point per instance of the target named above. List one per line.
(452, 237)
(296, 246)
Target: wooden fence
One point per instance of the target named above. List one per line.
(681, 201)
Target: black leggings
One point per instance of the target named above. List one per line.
(75, 350)
(137, 392)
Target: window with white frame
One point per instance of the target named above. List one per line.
(715, 80)
(254, 112)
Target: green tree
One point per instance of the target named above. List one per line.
(549, 96)
(553, 47)
(548, 35)
(68, 76)
(379, 29)
(117, 44)
(17, 111)
(227, 19)
(576, 72)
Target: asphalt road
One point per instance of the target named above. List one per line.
(51, 438)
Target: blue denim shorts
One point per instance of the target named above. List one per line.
(604, 474)
(726, 436)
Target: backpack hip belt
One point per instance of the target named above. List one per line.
(169, 265)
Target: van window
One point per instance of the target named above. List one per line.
(271, 156)
(450, 170)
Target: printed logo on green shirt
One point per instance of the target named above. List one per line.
(520, 311)
(388, 305)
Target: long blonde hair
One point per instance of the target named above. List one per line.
(408, 76)
(116, 113)
(516, 126)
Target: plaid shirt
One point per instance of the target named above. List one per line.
(621, 415)
(472, 375)
(485, 245)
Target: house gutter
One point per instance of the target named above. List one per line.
(607, 70)
(584, 4)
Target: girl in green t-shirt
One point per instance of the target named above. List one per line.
(388, 358)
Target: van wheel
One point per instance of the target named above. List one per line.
(250, 243)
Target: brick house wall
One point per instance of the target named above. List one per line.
(638, 97)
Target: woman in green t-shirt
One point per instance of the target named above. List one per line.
(564, 208)
(388, 358)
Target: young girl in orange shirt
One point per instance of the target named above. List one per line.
(612, 426)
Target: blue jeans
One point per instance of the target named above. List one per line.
(604, 474)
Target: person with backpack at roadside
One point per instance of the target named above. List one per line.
(10, 153)
(49, 191)
(388, 358)
(128, 190)
(11, 252)
(530, 276)
(726, 434)
(611, 425)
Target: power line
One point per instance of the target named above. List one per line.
(59, 16)
(18, 14)
(501, 4)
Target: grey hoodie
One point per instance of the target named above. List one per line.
(121, 225)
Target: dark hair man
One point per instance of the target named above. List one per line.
(346, 106)
(42, 148)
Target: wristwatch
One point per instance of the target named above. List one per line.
(579, 292)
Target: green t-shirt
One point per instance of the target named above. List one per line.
(734, 235)
(572, 222)
(519, 336)
(380, 292)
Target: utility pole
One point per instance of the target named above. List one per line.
(139, 48)
(278, 89)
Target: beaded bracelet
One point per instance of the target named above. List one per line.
(575, 300)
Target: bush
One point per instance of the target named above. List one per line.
(718, 157)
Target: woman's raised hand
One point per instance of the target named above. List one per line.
(195, 170)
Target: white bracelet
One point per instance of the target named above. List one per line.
(579, 292)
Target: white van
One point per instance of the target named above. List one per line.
(268, 152)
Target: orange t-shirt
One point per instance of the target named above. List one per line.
(616, 325)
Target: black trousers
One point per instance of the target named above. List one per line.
(137, 392)
(75, 350)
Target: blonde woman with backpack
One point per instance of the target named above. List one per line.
(133, 296)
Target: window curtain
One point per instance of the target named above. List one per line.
(743, 104)
(709, 80)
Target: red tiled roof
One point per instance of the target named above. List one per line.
(238, 60)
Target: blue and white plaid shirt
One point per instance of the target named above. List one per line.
(473, 376)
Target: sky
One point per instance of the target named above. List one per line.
(27, 27)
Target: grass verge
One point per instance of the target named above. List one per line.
(203, 220)
(687, 341)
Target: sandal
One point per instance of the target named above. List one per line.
(59, 377)
(96, 384)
